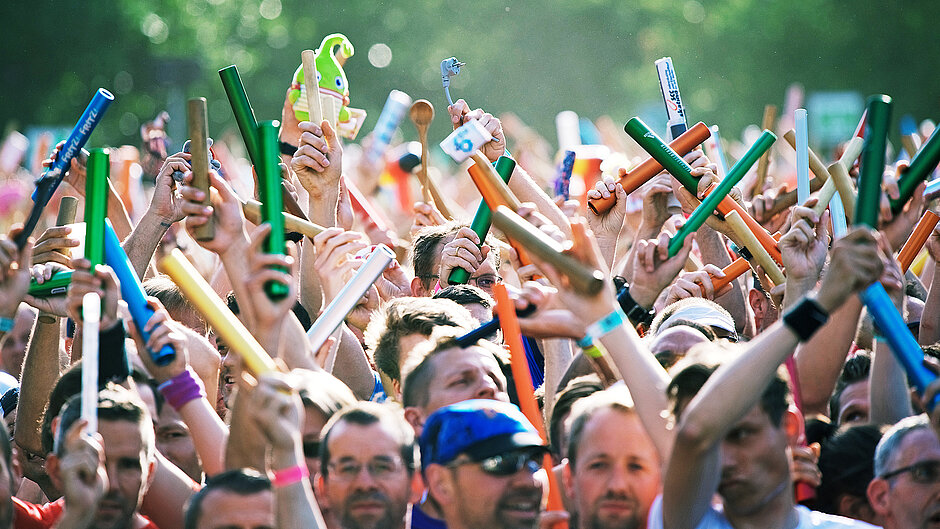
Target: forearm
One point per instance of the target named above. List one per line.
(819, 361)
(647, 381)
(247, 449)
(889, 398)
(930, 319)
(294, 503)
(167, 495)
(294, 347)
(526, 190)
(558, 353)
(120, 220)
(734, 389)
(142, 242)
(311, 293)
(41, 368)
(209, 433)
(352, 365)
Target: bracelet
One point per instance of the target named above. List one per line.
(592, 351)
(6, 324)
(289, 476)
(585, 342)
(635, 313)
(805, 318)
(606, 324)
(287, 148)
(182, 389)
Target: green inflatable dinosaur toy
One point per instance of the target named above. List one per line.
(333, 87)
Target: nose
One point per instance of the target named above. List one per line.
(364, 479)
(487, 389)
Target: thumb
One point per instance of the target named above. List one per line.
(329, 134)
(822, 228)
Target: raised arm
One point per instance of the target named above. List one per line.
(693, 471)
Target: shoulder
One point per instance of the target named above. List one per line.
(713, 519)
(815, 519)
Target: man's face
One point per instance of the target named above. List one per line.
(482, 277)
(176, 444)
(14, 346)
(478, 499)
(125, 454)
(853, 404)
(754, 464)
(909, 503)
(222, 509)
(614, 483)
(463, 374)
(367, 485)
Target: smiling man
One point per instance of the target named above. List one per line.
(481, 461)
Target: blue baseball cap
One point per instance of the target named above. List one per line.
(480, 428)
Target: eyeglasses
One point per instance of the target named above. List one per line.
(924, 472)
(505, 464)
(311, 449)
(484, 282)
(378, 468)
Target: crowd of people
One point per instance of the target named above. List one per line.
(664, 397)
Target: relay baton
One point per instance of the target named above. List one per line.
(393, 112)
(252, 211)
(96, 205)
(308, 61)
(922, 164)
(488, 329)
(197, 120)
(767, 123)
(524, 389)
(52, 177)
(60, 281)
(932, 187)
(244, 115)
(496, 193)
(583, 278)
(675, 112)
(347, 299)
(680, 170)
(917, 239)
(892, 326)
(815, 164)
(272, 206)
(718, 151)
(483, 218)
(842, 182)
(91, 324)
(563, 176)
(802, 156)
(763, 258)
(132, 292)
(718, 192)
(216, 313)
(641, 174)
(736, 268)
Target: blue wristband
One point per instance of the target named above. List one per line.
(606, 324)
(6, 324)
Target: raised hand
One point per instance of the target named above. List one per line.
(856, 262)
(82, 472)
(460, 113)
(318, 161)
(14, 273)
(462, 252)
(166, 205)
(225, 211)
(804, 246)
(101, 281)
(655, 270)
(75, 176)
(54, 246)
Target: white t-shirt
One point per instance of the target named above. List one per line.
(715, 519)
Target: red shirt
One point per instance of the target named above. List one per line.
(31, 516)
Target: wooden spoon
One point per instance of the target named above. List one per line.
(421, 114)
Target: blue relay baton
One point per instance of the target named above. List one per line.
(132, 292)
(52, 177)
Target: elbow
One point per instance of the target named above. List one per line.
(694, 436)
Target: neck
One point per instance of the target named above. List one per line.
(776, 511)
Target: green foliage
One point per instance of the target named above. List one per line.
(534, 58)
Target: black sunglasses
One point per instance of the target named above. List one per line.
(924, 472)
(506, 464)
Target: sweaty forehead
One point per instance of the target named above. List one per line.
(457, 359)
(361, 441)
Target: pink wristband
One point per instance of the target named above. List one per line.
(289, 476)
(182, 389)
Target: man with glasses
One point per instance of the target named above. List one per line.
(480, 460)
(906, 490)
(438, 250)
(367, 461)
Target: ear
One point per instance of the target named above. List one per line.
(793, 425)
(878, 496)
(418, 290)
(152, 471)
(568, 479)
(321, 488)
(53, 470)
(440, 486)
(415, 418)
(417, 487)
(855, 507)
(757, 301)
